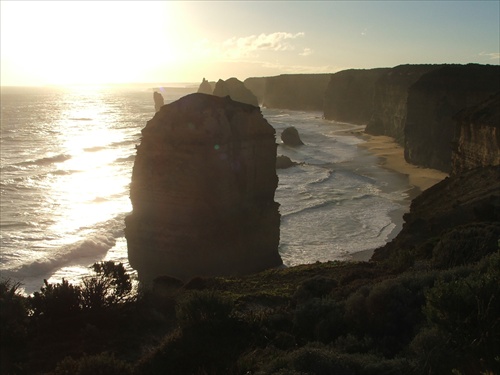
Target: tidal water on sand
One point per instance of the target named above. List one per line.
(66, 162)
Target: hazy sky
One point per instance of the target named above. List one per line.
(64, 42)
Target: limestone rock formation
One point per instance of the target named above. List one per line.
(159, 101)
(284, 162)
(465, 205)
(234, 88)
(349, 95)
(205, 87)
(202, 191)
(296, 91)
(257, 85)
(389, 100)
(477, 141)
(290, 137)
(433, 101)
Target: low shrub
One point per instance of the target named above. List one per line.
(315, 287)
(202, 307)
(319, 320)
(100, 364)
(109, 285)
(56, 301)
(465, 244)
(467, 311)
(13, 326)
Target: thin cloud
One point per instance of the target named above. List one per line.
(248, 45)
(306, 52)
(492, 55)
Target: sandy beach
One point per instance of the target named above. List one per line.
(391, 156)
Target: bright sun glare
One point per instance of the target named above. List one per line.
(90, 41)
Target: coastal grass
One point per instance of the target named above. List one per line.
(322, 318)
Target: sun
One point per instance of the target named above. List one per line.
(90, 42)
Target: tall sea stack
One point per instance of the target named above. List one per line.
(202, 191)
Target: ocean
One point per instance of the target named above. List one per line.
(65, 168)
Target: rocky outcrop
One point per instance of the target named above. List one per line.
(461, 207)
(349, 95)
(290, 137)
(296, 91)
(202, 191)
(477, 141)
(433, 101)
(389, 100)
(234, 88)
(159, 101)
(257, 85)
(284, 162)
(205, 87)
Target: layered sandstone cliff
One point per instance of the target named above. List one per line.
(202, 191)
(257, 85)
(234, 88)
(477, 141)
(389, 100)
(454, 217)
(349, 95)
(433, 101)
(206, 87)
(294, 91)
(159, 101)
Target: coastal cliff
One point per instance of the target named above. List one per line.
(202, 191)
(477, 136)
(454, 216)
(257, 85)
(206, 87)
(389, 100)
(295, 91)
(433, 101)
(234, 88)
(349, 95)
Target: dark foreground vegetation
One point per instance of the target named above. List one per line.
(328, 318)
(427, 303)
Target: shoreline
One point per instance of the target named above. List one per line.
(391, 156)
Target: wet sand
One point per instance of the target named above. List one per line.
(391, 156)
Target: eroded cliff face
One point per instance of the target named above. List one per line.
(477, 140)
(202, 191)
(257, 85)
(236, 90)
(296, 91)
(457, 212)
(206, 87)
(433, 101)
(389, 100)
(349, 95)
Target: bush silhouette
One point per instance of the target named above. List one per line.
(202, 307)
(13, 326)
(100, 364)
(109, 285)
(56, 301)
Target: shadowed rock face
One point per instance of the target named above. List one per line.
(205, 87)
(202, 191)
(290, 136)
(295, 91)
(159, 101)
(432, 103)
(457, 203)
(234, 88)
(349, 95)
(389, 100)
(478, 136)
